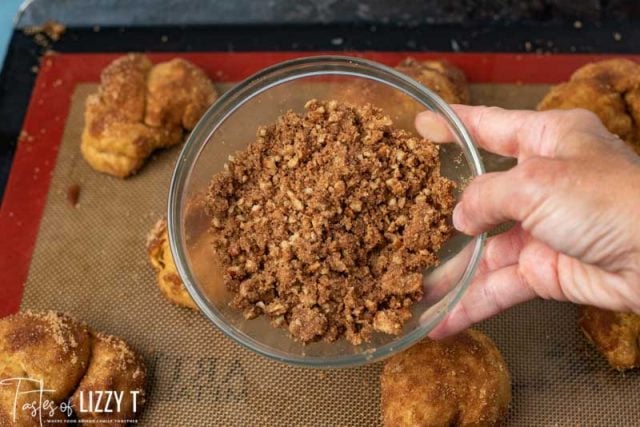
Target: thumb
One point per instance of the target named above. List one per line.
(487, 296)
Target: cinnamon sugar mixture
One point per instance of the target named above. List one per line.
(326, 221)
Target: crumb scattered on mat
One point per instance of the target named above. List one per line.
(73, 194)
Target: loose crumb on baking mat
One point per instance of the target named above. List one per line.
(326, 222)
(73, 194)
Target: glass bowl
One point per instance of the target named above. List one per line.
(231, 124)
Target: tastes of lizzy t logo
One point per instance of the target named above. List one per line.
(29, 399)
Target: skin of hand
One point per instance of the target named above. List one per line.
(575, 197)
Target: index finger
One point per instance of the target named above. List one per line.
(508, 133)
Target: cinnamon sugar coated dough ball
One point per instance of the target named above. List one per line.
(160, 258)
(114, 139)
(616, 335)
(610, 89)
(440, 76)
(458, 381)
(114, 365)
(178, 94)
(67, 357)
(443, 78)
(140, 108)
(49, 346)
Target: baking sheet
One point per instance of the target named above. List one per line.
(91, 262)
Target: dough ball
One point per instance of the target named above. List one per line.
(140, 108)
(610, 89)
(440, 76)
(49, 347)
(461, 380)
(179, 93)
(615, 335)
(114, 366)
(160, 258)
(55, 353)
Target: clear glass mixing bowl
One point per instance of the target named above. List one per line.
(231, 124)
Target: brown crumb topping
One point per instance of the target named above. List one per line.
(327, 220)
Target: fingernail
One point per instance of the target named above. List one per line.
(431, 127)
(441, 330)
(458, 218)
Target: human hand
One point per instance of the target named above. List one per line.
(575, 197)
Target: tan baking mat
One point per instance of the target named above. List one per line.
(90, 261)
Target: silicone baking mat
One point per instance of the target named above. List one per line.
(90, 261)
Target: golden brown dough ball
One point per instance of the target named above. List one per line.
(440, 76)
(461, 380)
(179, 93)
(160, 257)
(116, 145)
(62, 356)
(616, 335)
(51, 347)
(13, 412)
(123, 85)
(446, 80)
(113, 366)
(610, 89)
(140, 108)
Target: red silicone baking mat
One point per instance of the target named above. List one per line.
(35, 158)
(90, 262)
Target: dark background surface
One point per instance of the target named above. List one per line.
(542, 27)
(406, 12)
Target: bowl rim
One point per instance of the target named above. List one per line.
(243, 92)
